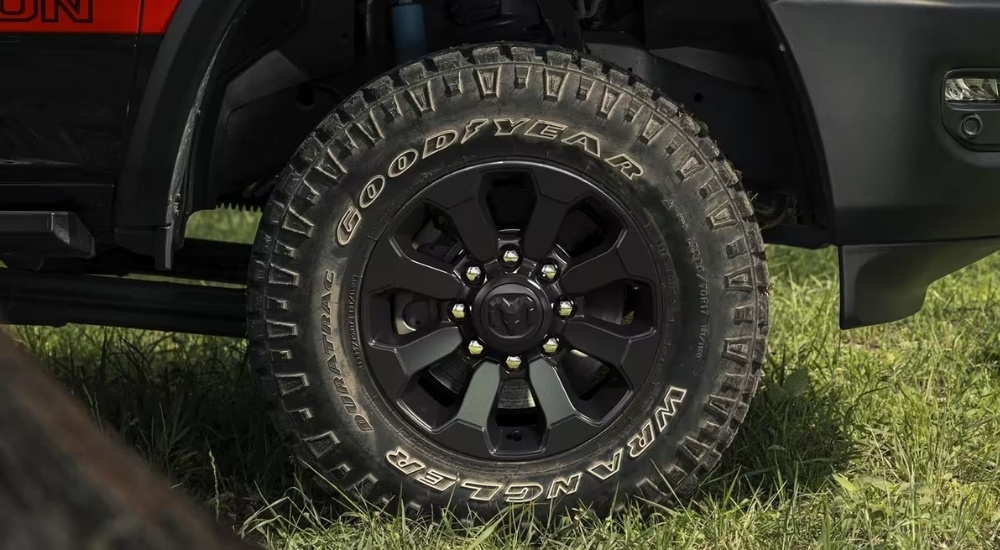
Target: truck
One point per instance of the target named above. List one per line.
(510, 251)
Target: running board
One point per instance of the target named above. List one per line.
(44, 234)
(32, 298)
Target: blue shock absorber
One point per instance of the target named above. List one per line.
(408, 30)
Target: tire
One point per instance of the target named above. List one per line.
(354, 176)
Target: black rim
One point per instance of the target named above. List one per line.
(511, 310)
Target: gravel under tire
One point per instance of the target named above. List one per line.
(302, 339)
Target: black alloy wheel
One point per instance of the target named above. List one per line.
(497, 328)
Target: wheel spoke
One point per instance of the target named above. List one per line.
(392, 268)
(627, 258)
(629, 348)
(563, 422)
(467, 430)
(395, 365)
(556, 193)
(459, 196)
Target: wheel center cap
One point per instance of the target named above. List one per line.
(512, 316)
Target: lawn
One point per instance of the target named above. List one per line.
(885, 437)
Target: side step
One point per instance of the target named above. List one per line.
(44, 234)
(32, 298)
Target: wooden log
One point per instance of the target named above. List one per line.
(66, 485)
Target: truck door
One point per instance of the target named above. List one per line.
(68, 74)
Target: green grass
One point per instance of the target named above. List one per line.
(885, 437)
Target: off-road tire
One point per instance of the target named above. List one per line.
(688, 199)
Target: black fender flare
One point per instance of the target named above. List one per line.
(147, 198)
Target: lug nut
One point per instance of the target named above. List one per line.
(510, 257)
(513, 362)
(551, 346)
(475, 347)
(458, 311)
(549, 272)
(473, 274)
(564, 308)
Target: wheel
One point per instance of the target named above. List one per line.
(508, 274)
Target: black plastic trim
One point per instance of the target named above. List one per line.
(201, 260)
(873, 71)
(92, 202)
(43, 235)
(144, 202)
(30, 298)
(883, 283)
(273, 87)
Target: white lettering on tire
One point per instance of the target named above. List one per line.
(403, 462)
(589, 142)
(518, 493)
(439, 142)
(604, 470)
(626, 165)
(641, 441)
(507, 126)
(435, 143)
(545, 129)
(563, 486)
(403, 162)
(371, 191)
(482, 491)
(348, 223)
(671, 403)
(436, 480)
(473, 128)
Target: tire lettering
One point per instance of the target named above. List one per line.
(545, 130)
(604, 470)
(517, 493)
(362, 423)
(436, 480)
(348, 223)
(331, 166)
(371, 191)
(624, 163)
(641, 441)
(327, 332)
(403, 462)
(403, 162)
(589, 142)
(473, 128)
(671, 404)
(482, 491)
(507, 126)
(348, 401)
(564, 486)
(439, 142)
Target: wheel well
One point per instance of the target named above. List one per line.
(284, 70)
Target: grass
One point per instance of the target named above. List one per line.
(885, 437)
